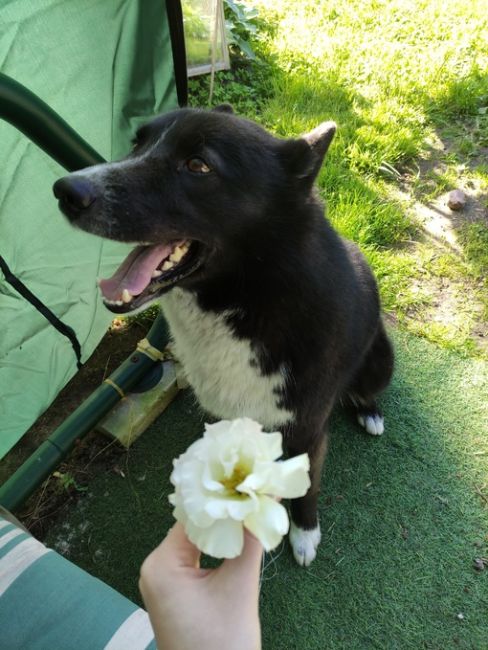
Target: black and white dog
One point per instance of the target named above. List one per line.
(273, 315)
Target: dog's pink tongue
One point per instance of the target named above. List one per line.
(134, 274)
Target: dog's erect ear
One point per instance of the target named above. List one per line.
(304, 156)
(320, 138)
(223, 108)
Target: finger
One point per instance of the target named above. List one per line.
(247, 566)
(177, 550)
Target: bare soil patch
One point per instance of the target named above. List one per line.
(453, 302)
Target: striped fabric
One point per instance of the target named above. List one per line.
(47, 603)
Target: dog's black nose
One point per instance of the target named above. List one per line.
(73, 192)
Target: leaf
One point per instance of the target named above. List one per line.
(246, 48)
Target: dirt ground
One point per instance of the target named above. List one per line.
(454, 301)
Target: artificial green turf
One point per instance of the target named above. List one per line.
(401, 519)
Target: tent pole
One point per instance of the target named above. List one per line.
(35, 119)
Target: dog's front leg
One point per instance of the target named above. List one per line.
(305, 528)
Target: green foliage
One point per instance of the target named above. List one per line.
(467, 95)
(248, 86)
(195, 25)
(68, 482)
(241, 23)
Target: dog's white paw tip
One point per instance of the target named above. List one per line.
(304, 544)
(374, 424)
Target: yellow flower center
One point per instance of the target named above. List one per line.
(238, 475)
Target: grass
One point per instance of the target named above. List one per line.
(396, 76)
(475, 242)
(403, 517)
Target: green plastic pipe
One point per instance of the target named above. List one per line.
(51, 452)
(42, 125)
(29, 114)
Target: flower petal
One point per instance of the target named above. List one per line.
(262, 446)
(224, 539)
(217, 428)
(179, 513)
(234, 507)
(208, 478)
(194, 508)
(273, 443)
(228, 458)
(256, 481)
(269, 523)
(185, 468)
(288, 479)
(245, 426)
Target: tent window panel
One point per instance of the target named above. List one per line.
(206, 46)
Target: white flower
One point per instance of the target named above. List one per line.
(229, 479)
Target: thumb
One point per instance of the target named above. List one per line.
(176, 550)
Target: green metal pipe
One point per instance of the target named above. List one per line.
(48, 130)
(51, 452)
(29, 114)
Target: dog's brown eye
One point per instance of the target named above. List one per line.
(197, 166)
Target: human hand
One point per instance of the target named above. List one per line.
(205, 609)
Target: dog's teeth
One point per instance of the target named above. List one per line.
(119, 303)
(126, 296)
(167, 265)
(156, 273)
(177, 254)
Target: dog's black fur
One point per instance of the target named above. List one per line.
(265, 255)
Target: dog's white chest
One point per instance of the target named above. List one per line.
(221, 368)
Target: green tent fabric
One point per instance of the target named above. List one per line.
(105, 67)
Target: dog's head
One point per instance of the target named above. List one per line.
(194, 192)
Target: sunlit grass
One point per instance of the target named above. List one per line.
(391, 74)
(396, 76)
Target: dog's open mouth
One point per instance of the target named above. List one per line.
(148, 271)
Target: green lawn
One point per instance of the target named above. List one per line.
(403, 518)
(407, 83)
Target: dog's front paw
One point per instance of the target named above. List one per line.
(372, 422)
(304, 543)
